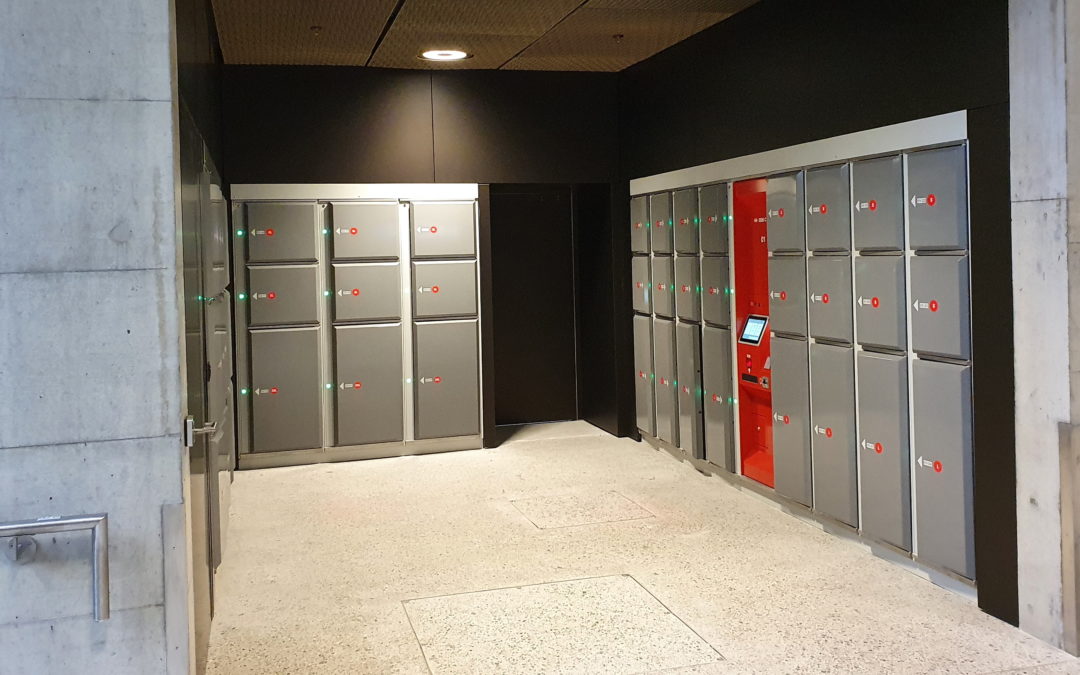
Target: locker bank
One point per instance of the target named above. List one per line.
(357, 337)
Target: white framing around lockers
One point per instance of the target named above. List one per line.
(949, 129)
(325, 194)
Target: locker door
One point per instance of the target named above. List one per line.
(663, 279)
(279, 232)
(832, 392)
(688, 288)
(662, 223)
(282, 295)
(367, 292)
(285, 390)
(643, 377)
(791, 419)
(446, 379)
(667, 404)
(443, 229)
(879, 204)
(368, 390)
(366, 230)
(443, 289)
(881, 301)
(639, 272)
(686, 221)
(943, 479)
(937, 199)
(828, 214)
(639, 225)
(830, 297)
(940, 319)
(886, 465)
(719, 411)
(713, 217)
(691, 416)
(787, 295)
(787, 219)
(715, 291)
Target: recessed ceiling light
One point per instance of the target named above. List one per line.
(444, 55)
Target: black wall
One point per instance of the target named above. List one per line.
(199, 75)
(789, 71)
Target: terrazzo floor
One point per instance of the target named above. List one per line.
(566, 550)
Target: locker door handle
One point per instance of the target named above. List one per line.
(190, 432)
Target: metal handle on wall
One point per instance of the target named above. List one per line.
(98, 524)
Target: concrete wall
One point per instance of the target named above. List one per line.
(90, 391)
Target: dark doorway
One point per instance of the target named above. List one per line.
(533, 285)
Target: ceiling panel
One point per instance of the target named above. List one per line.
(493, 31)
(280, 31)
(610, 35)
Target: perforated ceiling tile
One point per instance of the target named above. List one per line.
(587, 39)
(281, 31)
(492, 31)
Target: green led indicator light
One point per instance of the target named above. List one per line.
(697, 220)
(671, 222)
(199, 298)
(242, 296)
(408, 380)
(325, 231)
(326, 294)
(239, 233)
(329, 386)
(652, 376)
(244, 392)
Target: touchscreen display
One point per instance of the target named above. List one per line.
(754, 330)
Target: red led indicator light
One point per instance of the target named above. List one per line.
(356, 291)
(659, 223)
(640, 284)
(685, 288)
(710, 219)
(434, 229)
(873, 205)
(713, 290)
(353, 230)
(787, 420)
(434, 289)
(273, 390)
(357, 385)
(933, 306)
(780, 213)
(663, 381)
(828, 432)
(269, 233)
(931, 200)
(637, 225)
(783, 295)
(716, 398)
(879, 448)
(938, 467)
(271, 295)
(875, 302)
(684, 221)
(825, 298)
(438, 380)
(686, 390)
(641, 374)
(824, 209)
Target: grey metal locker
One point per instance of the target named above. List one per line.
(368, 387)
(715, 291)
(832, 396)
(828, 208)
(937, 199)
(643, 375)
(881, 301)
(829, 296)
(885, 483)
(282, 295)
(639, 225)
(279, 232)
(685, 217)
(940, 317)
(718, 399)
(442, 289)
(663, 280)
(688, 288)
(661, 232)
(443, 229)
(639, 272)
(445, 381)
(285, 389)
(366, 230)
(787, 219)
(791, 419)
(943, 465)
(691, 416)
(713, 217)
(367, 292)
(787, 295)
(667, 402)
(878, 199)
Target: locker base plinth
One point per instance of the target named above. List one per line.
(267, 460)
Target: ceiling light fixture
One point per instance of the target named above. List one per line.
(444, 55)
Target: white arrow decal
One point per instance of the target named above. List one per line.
(420, 289)
(923, 463)
(774, 294)
(858, 206)
(920, 305)
(816, 298)
(778, 417)
(860, 301)
(867, 444)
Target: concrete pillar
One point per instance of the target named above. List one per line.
(1043, 35)
(90, 390)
